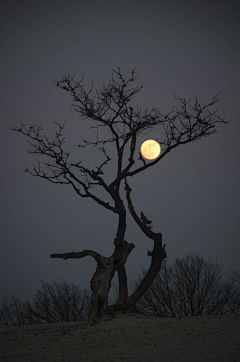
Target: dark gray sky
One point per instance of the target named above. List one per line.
(192, 195)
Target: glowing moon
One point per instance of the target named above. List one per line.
(150, 149)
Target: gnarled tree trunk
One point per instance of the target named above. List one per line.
(107, 266)
(157, 254)
(101, 280)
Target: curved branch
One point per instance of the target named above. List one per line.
(157, 254)
(59, 170)
(142, 223)
(189, 123)
(101, 261)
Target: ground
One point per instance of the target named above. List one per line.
(126, 337)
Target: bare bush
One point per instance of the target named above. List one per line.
(235, 278)
(12, 312)
(53, 303)
(191, 287)
(60, 302)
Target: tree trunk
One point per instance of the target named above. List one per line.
(122, 276)
(158, 254)
(100, 285)
(101, 280)
(106, 267)
(122, 284)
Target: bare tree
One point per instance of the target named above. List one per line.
(235, 278)
(110, 109)
(53, 303)
(12, 312)
(191, 287)
(59, 302)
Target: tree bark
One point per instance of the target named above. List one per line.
(157, 254)
(101, 280)
(122, 275)
(100, 285)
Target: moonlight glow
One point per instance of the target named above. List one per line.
(150, 149)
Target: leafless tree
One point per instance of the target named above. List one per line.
(235, 278)
(53, 303)
(59, 302)
(111, 109)
(191, 287)
(12, 312)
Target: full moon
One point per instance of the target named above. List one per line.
(150, 149)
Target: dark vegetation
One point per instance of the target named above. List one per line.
(53, 303)
(192, 286)
(117, 126)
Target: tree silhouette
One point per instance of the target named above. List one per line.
(110, 108)
(55, 302)
(192, 286)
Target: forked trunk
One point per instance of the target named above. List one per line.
(158, 254)
(101, 280)
(106, 267)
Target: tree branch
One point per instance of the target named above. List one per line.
(158, 254)
(189, 123)
(142, 222)
(101, 261)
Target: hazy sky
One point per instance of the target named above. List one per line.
(193, 195)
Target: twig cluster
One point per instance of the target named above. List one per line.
(110, 107)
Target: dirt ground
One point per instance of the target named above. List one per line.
(126, 337)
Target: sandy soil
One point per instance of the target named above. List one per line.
(126, 337)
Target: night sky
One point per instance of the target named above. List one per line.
(192, 195)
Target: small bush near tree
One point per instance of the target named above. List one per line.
(193, 286)
(53, 303)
